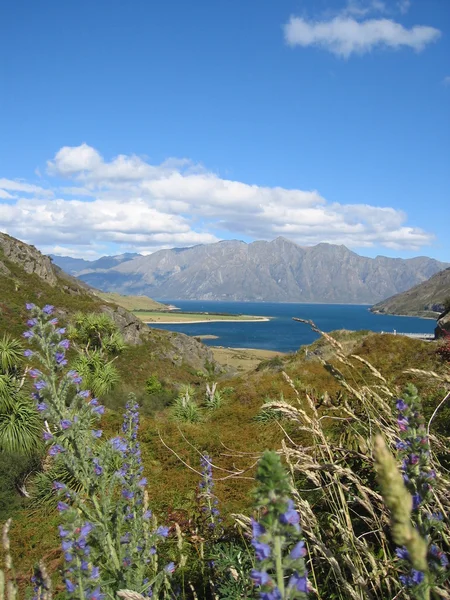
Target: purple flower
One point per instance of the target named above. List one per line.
(58, 486)
(63, 532)
(40, 385)
(257, 529)
(32, 322)
(86, 529)
(170, 568)
(62, 506)
(262, 551)
(64, 344)
(147, 515)
(70, 586)
(28, 334)
(298, 551)
(259, 577)
(402, 553)
(48, 309)
(299, 583)
(60, 358)
(67, 545)
(97, 433)
(41, 407)
(417, 500)
(96, 594)
(61, 331)
(417, 576)
(34, 373)
(128, 494)
(47, 436)
(95, 573)
(84, 393)
(439, 555)
(65, 424)
(56, 449)
(117, 443)
(53, 322)
(142, 482)
(98, 470)
(290, 517)
(162, 531)
(30, 306)
(401, 405)
(403, 423)
(28, 353)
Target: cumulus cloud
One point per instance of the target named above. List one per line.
(129, 204)
(404, 6)
(21, 186)
(345, 35)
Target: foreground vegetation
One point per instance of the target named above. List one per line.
(322, 409)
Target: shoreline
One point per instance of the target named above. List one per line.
(258, 320)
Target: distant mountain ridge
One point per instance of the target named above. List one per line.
(423, 300)
(277, 271)
(76, 266)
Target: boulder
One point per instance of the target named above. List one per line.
(443, 326)
(130, 327)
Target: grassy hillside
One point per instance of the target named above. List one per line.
(232, 434)
(165, 354)
(131, 303)
(423, 300)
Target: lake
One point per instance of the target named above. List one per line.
(283, 334)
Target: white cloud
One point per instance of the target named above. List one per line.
(344, 36)
(357, 8)
(70, 160)
(129, 204)
(20, 186)
(404, 6)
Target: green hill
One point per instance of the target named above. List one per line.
(26, 275)
(424, 300)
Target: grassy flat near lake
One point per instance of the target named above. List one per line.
(131, 302)
(181, 317)
(243, 359)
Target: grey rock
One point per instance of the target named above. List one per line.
(132, 329)
(29, 258)
(443, 326)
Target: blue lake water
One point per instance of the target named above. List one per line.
(281, 332)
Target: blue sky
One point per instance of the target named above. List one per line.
(138, 125)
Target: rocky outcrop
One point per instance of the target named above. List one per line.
(132, 329)
(29, 258)
(182, 348)
(443, 326)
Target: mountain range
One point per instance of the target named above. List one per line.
(276, 271)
